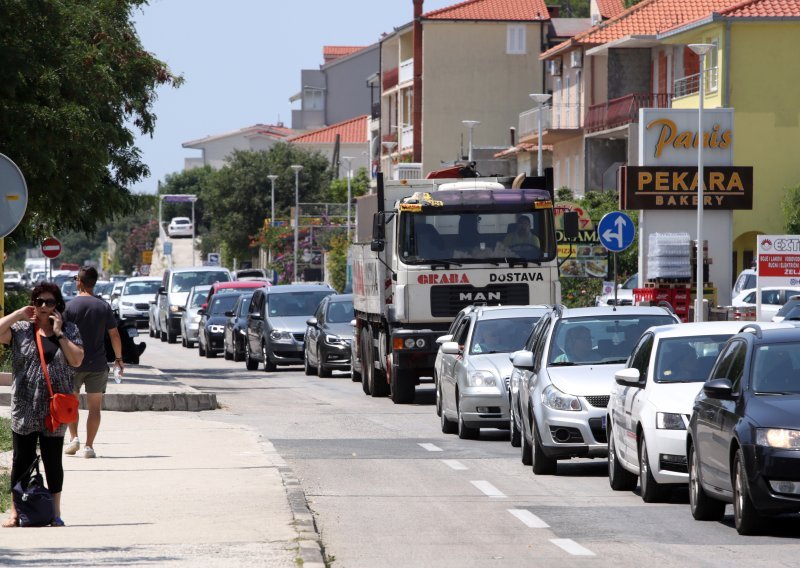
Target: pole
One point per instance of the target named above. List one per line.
(349, 161)
(698, 310)
(540, 170)
(272, 178)
(296, 169)
(193, 235)
(615, 281)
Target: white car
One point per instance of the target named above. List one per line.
(624, 294)
(134, 299)
(13, 281)
(772, 298)
(651, 403)
(180, 227)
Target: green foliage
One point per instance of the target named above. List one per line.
(189, 182)
(359, 185)
(629, 3)
(337, 261)
(572, 8)
(790, 206)
(75, 81)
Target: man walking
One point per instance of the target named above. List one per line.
(94, 319)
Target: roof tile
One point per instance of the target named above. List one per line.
(610, 8)
(353, 131)
(331, 52)
(763, 9)
(493, 10)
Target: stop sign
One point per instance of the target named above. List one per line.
(51, 247)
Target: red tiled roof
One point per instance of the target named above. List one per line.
(353, 131)
(763, 9)
(610, 8)
(493, 10)
(648, 17)
(524, 147)
(331, 52)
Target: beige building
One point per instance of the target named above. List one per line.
(216, 149)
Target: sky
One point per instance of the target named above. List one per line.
(241, 60)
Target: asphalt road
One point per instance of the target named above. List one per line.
(389, 489)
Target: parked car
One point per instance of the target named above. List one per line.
(276, 323)
(69, 290)
(154, 325)
(772, 298)
(472, 390)
(211, 330)
(190, 316)
(103, 288)
(744, 433)
(567, 377)
(789, 311)
(251, 274)
(174, 291)
(180, 227)
(236, 328)
(437, 364)
(624, 293)
(13, 281)
(746, 280)
(116, 290)
(651, 403)
(329, 336)
(133, 302)
(234, 285)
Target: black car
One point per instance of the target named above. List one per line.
(329, 336)
(236, 328)
(211, 332)
(743, 444)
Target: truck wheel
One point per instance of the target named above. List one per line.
(379, 386)
(365, 380)
(403, 387)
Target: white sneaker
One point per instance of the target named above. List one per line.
(88, 452)
(73, 447)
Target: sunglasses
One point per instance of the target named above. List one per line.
(49, 302)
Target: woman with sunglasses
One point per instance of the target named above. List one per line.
(30, 398)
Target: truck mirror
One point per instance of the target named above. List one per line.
(378, 226)
(571, 225)
(377, 245)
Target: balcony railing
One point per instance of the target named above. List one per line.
(406, 137)
(406, 70)
(529, 121)
(389, 78)
(690, 84)
(623, 110)
(376, 110)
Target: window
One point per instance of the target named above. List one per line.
(737, 365)
(641, 356)
(515, 40)
(711, 64)
(313, 99)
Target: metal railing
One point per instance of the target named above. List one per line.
(408, 170)
(406, 70)
(529, 120)
(690, 84)
(622, 110)
(406, 137)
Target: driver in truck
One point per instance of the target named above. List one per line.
(522, 235)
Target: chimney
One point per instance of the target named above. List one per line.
(416, 111)
(513, 135)
(553, 11)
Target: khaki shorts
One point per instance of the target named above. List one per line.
(95, 381)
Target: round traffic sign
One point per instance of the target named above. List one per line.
(13, 195)
(51, 247)
(616, 231)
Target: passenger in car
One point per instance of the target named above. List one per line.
(577, 346)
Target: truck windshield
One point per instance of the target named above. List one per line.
(466, 237)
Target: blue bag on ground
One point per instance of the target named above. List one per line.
(33, 502)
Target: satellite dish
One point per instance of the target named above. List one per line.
(13, 196)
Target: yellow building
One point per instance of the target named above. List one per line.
(753, 68)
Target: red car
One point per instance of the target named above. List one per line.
(236, 284)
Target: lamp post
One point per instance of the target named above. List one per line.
(700, 49)
(272, 178)
(540, 99)
(389, 147)
(296, 169)
(192, 198)
(349, 160)
(470, 124)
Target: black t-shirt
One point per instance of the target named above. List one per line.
(94, 318)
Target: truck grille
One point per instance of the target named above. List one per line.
(447, 301)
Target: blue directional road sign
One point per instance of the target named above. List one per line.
(616, 231)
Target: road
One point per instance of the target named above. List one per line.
(389, 489)
(182, 254)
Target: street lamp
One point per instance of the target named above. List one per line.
(540, 99)
(349, 160)
(389, 147)
(296, 169)
(471, 124)
(272, 178)
(192, 198)
(700, 49)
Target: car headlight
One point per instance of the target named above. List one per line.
(333, 339)
(481, 379)
(216, 328)
(670, 421)
(174, 308)
(276, 335)
(778, 438)
(557, 400)
(127, 304)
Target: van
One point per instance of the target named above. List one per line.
(175, 287)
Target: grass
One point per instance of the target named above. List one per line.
(5, 479)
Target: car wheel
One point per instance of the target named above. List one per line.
(541, 463)
(210, 353)
(307, 368)
(526, 451)
(171, 337)
(151, 331)
(200, 349)
(438, 398)
(163, 336)
(466, 432)
(225, 353)
(237, 352)
(515, 435)
(652, 492)
(322, 370)
(619, 478)
(183, 340)
(703, 507)
(268, 365)
(745, 516)
(448, 426)
(250, 363)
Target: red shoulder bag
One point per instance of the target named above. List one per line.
(63, 407)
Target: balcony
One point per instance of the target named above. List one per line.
(406, 137)
(406, 71)
(376, 110)
(529, 121)
(690, 84)
(389, 79)
(623, 110)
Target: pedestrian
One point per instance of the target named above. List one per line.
(30, 397)
(94, 319)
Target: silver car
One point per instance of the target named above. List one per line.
(472, 386)
(567, 377)
(190, 319)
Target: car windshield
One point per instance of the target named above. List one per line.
(199, 298)
(180, 221)
(501, 335)
(294, 303)
(340, 312)
(222, 303)
(138, 288)
(599, 340)
(184, 281)
(789, 306)
(104, 288)
(687, 359)
(776, 368)
(69, 287)
(244, 305)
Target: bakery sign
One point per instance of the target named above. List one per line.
(675, 187)
(670, 137)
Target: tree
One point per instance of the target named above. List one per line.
(195, 181)
(74, 81)
(359, 185)
(629, 3)
(790, 206)
(573, 8)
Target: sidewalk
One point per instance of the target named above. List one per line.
(171, 489)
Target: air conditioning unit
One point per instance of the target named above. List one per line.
(576, 59)
(554, 66)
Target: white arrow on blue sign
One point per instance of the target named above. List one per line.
(616, 231)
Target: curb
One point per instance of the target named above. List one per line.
(311, 550)
(129, 402)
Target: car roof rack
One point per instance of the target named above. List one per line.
(559, 310)
(754, 327)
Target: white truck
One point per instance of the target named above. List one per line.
(438, 245)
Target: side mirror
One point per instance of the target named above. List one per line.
(204, 306)
(451, 348)
(229, 314)
(377, 245)
(571, 225)
(162, 290)
(353, 322)
(378, 227)
(181, 308)
(511, 356)
(718, 388)
(201, 312)
(256, 316)
(629, 377)
(444, 339)
(523, 360)
(311, 322)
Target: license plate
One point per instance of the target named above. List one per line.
(133, 332)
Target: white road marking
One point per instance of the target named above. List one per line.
(431, 447)
(529, 519)
(455, 464)
(488, 489)
(569, 545)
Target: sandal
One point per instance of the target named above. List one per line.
(11, 522)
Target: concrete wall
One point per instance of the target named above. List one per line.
(628, 72)
(348, 95)
(568, 166)
(601, 154)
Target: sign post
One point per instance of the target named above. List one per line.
(616, 233)
(51, 248)
(778, 263)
